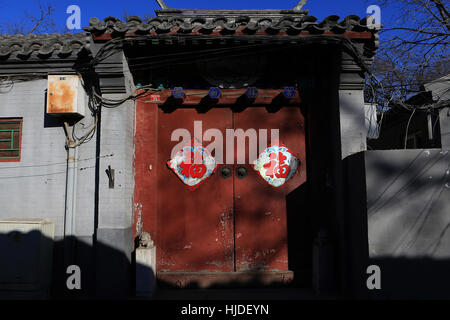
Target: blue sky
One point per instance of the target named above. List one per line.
(13, 11)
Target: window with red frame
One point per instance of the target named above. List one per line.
(10, 139)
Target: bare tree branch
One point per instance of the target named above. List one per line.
(414, 50)
(45, 12)
(40, 22)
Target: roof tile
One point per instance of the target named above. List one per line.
(43, 46)
(262, 23)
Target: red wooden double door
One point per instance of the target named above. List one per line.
(234, 223)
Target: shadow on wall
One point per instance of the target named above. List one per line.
(33, 266)
(396, 217)
(408, 221)
(302, 227)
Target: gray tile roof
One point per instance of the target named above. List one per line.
(271, 24)
(205, 22)
(180, 22)
(43, 46)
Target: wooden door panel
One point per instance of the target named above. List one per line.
(224, 225)
(195, 228)
(260, 209)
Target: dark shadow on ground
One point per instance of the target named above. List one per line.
(413, 278)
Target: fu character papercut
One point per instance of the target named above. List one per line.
(193, 164)
(276, 164)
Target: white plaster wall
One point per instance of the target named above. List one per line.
(35, 186)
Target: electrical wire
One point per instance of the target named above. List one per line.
(407, 127)
(56, 163)
(82, 139)
(262, 44)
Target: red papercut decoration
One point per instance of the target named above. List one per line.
(274, 167)
(193, 166)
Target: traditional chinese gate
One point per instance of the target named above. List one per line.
(234, 222)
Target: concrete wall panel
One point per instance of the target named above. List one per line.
(408, 198)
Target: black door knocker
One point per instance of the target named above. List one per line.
(241, 172)
(225, 172)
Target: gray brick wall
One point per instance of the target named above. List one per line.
(116, 205)
(35, 186)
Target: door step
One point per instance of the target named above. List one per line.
(224, 279)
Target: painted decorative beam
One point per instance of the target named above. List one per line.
(217, 96)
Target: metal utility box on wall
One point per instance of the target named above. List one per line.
(26, 256)
(65, 96)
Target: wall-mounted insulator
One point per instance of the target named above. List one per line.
(178, 93)
(214, 93)
(289, 92)
(251, 92)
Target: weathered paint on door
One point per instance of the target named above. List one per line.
(226, 224)
(260, 209)
(195, 230)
